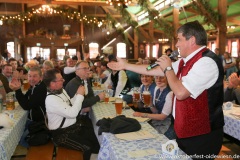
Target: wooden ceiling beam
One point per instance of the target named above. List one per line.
(59, 2)
(233, 20)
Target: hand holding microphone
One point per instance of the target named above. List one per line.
(172, 56)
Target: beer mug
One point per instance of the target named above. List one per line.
(95, 82)
(136, 94)
(146, 98)
(26, 85)
(107, 95)
(10, 103)
(118, 106)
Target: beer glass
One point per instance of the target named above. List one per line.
(95, 82)
(26, 85)
(118, 106)
(136, 94)
(106, 99)
(10, 104)
(146, 98)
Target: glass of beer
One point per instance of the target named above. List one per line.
(99, 82)
(136, 94)
(10, 103)
(118, 106)
(26, 85)
(106, 99)
(95, 82)
(146, 98)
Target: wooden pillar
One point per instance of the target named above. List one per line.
(82, 31)
(136, 48)
(221, 26)
(151, 33)
(24, 54)
(176, 26)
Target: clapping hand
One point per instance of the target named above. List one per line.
(15, 84)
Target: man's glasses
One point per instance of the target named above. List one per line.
(60, 80)
(85, 68)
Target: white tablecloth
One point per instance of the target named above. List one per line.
(232, 123)
(114, 149)
(9, 137)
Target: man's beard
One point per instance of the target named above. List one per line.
(59, 91)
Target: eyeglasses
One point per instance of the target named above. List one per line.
(145, 76)
(60, 80)
(85, 68)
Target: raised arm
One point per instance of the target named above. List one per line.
(141, 69)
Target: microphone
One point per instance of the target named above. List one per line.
(172, 56)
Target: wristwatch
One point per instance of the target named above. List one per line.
(169, 68)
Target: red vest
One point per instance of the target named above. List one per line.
(192, 115)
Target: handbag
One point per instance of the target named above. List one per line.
(39, 134)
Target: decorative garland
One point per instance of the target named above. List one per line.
(66, 14)
(212, 17)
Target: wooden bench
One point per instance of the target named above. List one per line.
(68, 154)
(41, 152)
(48, 152)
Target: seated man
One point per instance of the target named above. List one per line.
(118, 82)
(6, 77)
(67, 129)
(33, 100)
(232, 92)
(82, 72)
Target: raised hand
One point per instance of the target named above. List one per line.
(119, 65)
(15, 84)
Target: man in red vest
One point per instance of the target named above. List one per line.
(196, 80)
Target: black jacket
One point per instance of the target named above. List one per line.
(34, 102)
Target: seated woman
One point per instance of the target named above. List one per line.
(67, 129)
(148, 84)
(229, 64)
(161, 108)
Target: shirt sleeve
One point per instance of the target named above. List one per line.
(202, 76)
(122, 80)
(56, 105)
(68, 70)
(167, 108)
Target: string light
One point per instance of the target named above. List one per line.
(119, 2)
(46, 10)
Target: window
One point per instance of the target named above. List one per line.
(154, 50)
(10, 48)
(33, 51)
(234, 50)
(93, 50)
(121, 50)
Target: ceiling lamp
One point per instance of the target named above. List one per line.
(44, 10)
(119, 2)
(163, 40)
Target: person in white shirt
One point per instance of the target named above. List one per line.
(66, 128)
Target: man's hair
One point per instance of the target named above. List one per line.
(11, 59)
(6, 65)
(48, 63)
(49, 76)
(38, 69)
(194, 29)
(79, 62)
